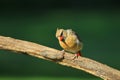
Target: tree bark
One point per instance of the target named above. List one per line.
(88, 65)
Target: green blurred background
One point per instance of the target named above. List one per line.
(96, 22)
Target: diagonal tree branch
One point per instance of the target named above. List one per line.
(88, 65)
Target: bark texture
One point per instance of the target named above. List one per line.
(88, 65)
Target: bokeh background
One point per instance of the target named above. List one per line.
(96, 22)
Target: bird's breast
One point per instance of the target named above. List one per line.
(63, 45)
(75, 48)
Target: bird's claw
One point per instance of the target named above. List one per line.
(76, 56)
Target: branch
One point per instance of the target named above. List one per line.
(88, 65)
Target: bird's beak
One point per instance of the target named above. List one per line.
(61, 38)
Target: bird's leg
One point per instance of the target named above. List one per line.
(77, 55)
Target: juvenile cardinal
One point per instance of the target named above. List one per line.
(69, 41)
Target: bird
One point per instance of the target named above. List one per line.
(69, 41)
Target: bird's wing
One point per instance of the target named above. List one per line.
(71, 40)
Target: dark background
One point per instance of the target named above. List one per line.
(96, 22)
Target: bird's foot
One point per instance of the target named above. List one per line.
(77, 55)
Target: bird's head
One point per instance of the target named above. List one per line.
(61, 34)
